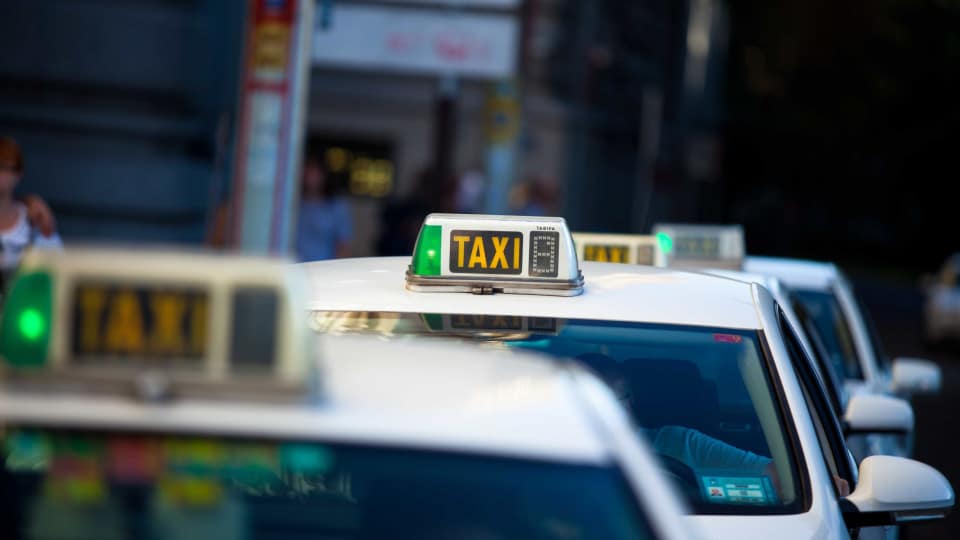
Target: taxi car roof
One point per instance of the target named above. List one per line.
(612, 292)
(740, 275)
(439, 396)
(801, 273)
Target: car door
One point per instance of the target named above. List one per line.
(839, 459)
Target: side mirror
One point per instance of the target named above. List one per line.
(872, 413)
(915, 376)
(895, 490)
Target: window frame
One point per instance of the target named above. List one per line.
(824, 419)
(837, 305)
(832, 385)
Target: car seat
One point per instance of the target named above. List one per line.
(671, 392)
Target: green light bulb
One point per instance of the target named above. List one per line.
(666, 243)
(31, 323)
(426, 255)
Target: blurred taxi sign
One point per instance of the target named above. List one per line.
(484, 254)
(107, 315)
(619, 248)
(486, 324)
(139, 321)
(701, 246)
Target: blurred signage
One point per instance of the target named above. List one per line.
(139, 321)
(482, 4)
(415, 40)
(503, 113)
(364, 168)
(270, 124)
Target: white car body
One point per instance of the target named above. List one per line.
(779, 293)
(617, 292)
(419, 396)
(826, 277)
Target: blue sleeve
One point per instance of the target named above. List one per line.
(702, 451)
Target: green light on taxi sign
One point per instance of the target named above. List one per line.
(32, 324)
(426, 255)
(666, 243)
(25, 325)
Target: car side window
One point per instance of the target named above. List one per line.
(831, 377)
(824, 419)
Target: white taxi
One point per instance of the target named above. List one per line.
(706, 366)
(848, 332)
(892, 434)
(347, 438)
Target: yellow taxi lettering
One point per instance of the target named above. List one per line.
(124, 324)
(477, 254)
(198, 325)
(91, 306)
(499, 251)
(168, 310)
(485, 252)
(461, 241)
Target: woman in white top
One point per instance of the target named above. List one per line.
(19, 227)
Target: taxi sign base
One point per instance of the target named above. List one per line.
(492, 285)
(129, 384)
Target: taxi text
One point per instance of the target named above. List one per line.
(139, 321)
(486, 252)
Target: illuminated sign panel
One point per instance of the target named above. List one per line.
(619, 248)
(363, 168)
(701, 246)
(139, 321)
(486, 254)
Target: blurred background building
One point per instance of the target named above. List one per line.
(123, 110)
(825, 130)
(128, 111)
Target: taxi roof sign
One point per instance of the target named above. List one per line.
(701, 246)
(642, 249)
(486, 254)
(108, 316)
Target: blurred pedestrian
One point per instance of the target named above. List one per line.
(325, 222)
(24, 222)
(401, 218)
(470, 191)
(535, 196)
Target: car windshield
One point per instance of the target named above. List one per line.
(79, 485)
(702, 397)
(834, 329)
